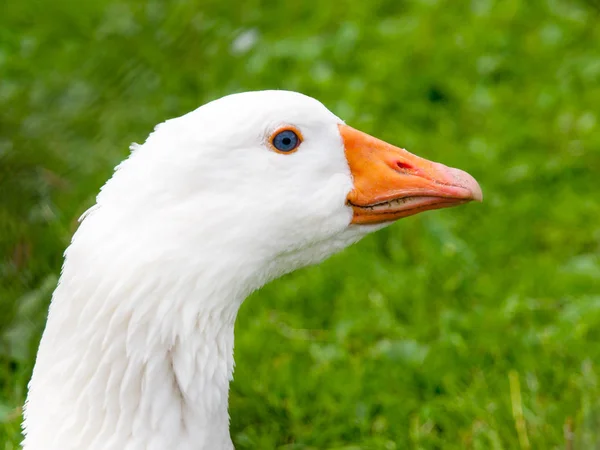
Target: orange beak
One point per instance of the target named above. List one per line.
(390, 183)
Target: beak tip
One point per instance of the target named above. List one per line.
(466, 181)
(476, 192)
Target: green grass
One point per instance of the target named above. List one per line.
(471, 328)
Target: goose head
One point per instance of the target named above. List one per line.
(138, 348)
(275, 180)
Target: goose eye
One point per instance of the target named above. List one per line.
(286, 141)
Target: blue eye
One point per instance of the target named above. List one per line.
(286, 141)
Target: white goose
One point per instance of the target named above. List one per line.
(138, 347)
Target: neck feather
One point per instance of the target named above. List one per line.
(133, 356)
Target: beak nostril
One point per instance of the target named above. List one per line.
(404, 166)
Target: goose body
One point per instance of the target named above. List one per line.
(138, 348)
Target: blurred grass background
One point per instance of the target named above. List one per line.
(472, 328)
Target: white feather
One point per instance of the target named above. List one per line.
(138, 348)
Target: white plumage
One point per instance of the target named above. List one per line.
(138, 348)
